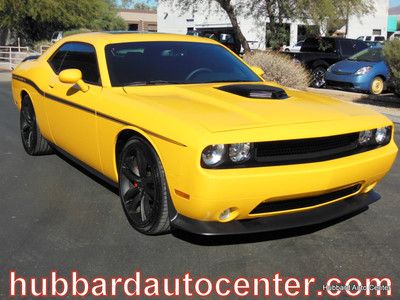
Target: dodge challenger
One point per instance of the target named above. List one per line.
(196, 139)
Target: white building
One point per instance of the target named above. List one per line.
(172, 20)
(375, 23)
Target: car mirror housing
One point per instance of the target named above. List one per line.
(73, 76)
(260, 72)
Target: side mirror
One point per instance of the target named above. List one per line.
(73, 76)
(260, 72)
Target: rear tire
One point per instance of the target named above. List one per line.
(318, 75)
(32, 140)
(143, 188)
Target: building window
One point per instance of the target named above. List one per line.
(133, 27)
(377, 32)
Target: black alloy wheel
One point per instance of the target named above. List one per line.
(32, 140)
(318, 77)
(143, 188)
(28, 127)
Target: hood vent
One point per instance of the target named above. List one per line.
(255, 91)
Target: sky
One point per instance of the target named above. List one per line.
(394, 3)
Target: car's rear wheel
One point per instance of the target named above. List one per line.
(377, 86)
(143, 188)
(318, 75)
(32, 140)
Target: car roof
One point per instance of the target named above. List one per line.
(111, 37)
(331, 38)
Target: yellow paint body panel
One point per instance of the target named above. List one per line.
(181, 120)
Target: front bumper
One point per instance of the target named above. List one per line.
(211, 192)
(351, 81)
(278, 222)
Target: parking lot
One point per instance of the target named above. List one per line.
(54, 216)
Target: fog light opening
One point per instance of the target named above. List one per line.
(370, 187)
(228, 214)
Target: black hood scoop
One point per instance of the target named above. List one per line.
(255, 91)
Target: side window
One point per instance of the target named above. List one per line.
(360, 46)
(348, 47)
(57, 59)
(77, 56)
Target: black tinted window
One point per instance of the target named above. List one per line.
(173, 62)
(360, 46)
(348, 47)
(57, 59)
(319, 45)
(77, 56)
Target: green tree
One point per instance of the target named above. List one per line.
(274, 14)
(328, 15)
(331, 15)
(392, 55)
(33, 20)
(231, 9)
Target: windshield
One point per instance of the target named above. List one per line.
(143, 63)
(369, 55)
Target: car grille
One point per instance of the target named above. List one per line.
(342, 73)
(284, 205)
(340, 84)
(306, 150)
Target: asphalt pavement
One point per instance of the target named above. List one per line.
(54, 216)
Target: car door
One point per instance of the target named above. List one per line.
(71, 111)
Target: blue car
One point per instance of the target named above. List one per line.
(365, 71)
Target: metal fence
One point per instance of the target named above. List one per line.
(10, 56)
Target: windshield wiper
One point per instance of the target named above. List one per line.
(151, 82)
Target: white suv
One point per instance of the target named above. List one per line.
(372, 38)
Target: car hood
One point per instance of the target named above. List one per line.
(218, 110)
(350, 66)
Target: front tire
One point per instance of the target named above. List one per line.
(32, 140)
(377, 86)
(143, 188)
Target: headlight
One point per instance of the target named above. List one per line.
(226, 156)
(376, 137)
(365, 137)
(213, 155)
(383, 135)
(239, 152)
(363, 70)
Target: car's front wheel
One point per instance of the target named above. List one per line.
(377, 86)
(143, 188)
(32, 140)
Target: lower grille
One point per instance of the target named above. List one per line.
(267, 207)
(340, 84)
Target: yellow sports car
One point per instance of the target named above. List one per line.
(195, 139)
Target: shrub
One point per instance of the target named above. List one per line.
(280, 68)
(392, 54)
(37, 45)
